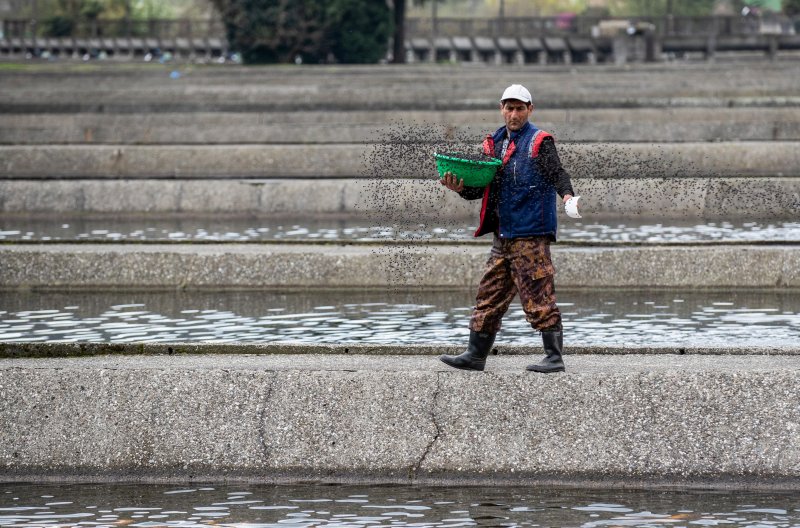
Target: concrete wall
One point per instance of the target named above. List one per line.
(623, 421)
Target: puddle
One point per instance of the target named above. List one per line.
(591, 318)
(249, 229)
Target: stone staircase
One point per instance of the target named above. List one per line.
(661, 142)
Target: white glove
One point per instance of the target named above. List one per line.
(571, 207)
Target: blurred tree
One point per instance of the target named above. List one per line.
(270, 31)
(661, 7)
(58, 26)
(358, 30)
(492, 8)
(765, 5)
(273, 31)
(62, 17)
(91, 9)
(597, 11)
(534, 8)
(399, 37)
(791, 7)
(144, 9)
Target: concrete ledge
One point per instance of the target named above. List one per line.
(606, 160)
(489, 117)
(383, 266)
(208, 161)
(586, 125)
(11, 349)
(401, 201)
(127, 103)
(276, 197)
(730, 420)
(141, 89)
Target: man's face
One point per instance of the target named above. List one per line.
(515, 113)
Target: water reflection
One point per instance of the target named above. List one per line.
(634, 318)
(345, 506)
(244, 229)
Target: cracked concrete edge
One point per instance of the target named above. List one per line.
(262, 416)
(510, 417)
(611, 426)
(414, 471)
(12, 349)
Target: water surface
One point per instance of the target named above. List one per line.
(253, 229)
(591, 317)
(341, 506)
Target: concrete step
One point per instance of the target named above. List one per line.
(584, 125)
(609, 420)
(381, 265)
(386, 160)
(432, 87)
(402, 202)
(487, 117)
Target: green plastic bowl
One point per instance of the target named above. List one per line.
(474, 173)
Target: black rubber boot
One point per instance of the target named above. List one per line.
(480, 344)
(553, 342)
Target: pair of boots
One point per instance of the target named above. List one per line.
(480, 344)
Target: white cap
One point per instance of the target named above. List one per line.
(518, 92)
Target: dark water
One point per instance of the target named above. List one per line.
(358, 506)
(591, 317)
(254, 229)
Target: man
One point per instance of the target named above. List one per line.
(519, 208)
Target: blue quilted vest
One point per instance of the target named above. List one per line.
(519, 202)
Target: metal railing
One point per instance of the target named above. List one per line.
(669, 26)
(118, 28)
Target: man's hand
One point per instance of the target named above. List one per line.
(567, 197)
(452, 182)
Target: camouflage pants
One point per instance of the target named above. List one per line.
(520, 265)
